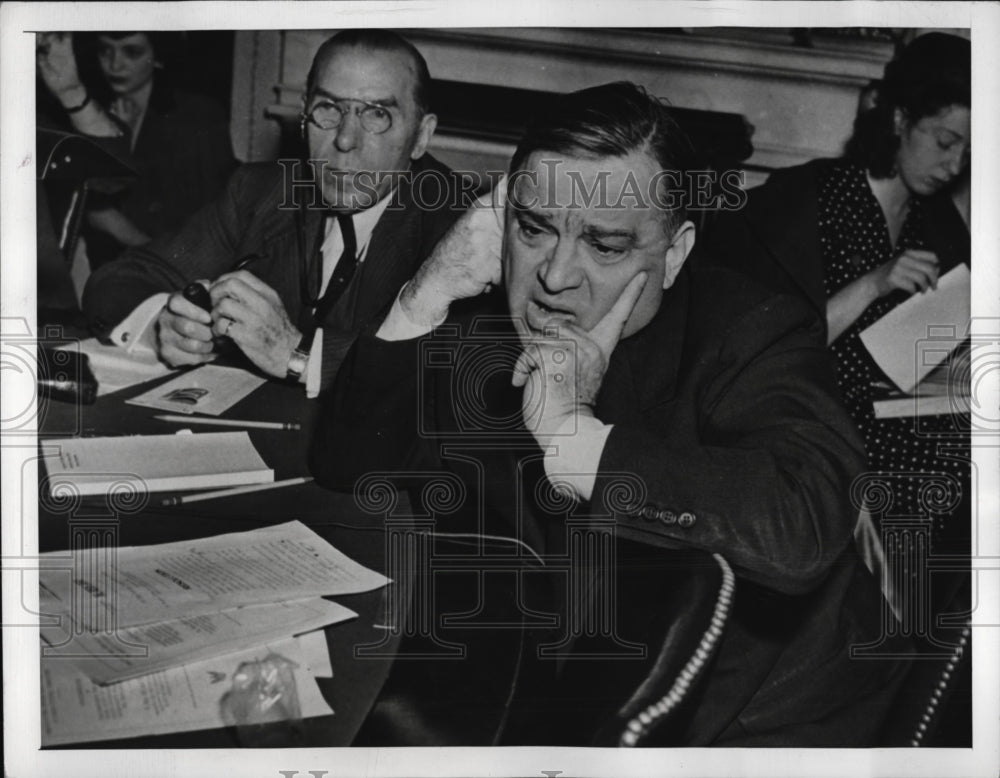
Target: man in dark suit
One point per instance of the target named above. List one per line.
(711, 400)
(288, 285)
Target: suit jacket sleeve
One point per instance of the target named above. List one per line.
(765, 478)
(370, 418)
(203, 249)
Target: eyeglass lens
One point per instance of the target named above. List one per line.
(327, 115)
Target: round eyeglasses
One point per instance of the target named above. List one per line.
(329, 115)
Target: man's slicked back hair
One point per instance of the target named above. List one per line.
(376, 40)
(611, 120)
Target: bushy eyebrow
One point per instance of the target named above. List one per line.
(600, 233)
(534, 216)
(590, 231)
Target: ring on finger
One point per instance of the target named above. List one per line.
(229, 326)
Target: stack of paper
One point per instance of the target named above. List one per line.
(920, 333)
(191, 635)
(945, 390)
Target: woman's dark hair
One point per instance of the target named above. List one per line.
(611, 120)
(932, 73)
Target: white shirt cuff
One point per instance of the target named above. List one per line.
(136, 332)
(313, 375)
(399, 326)
(574, 454)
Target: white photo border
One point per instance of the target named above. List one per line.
(17, 303)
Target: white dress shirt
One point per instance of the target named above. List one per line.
(332, 248)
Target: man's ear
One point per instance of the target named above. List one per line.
(427, 126)
(677, 253)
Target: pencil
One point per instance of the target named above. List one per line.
(234, 491)
(263, 425)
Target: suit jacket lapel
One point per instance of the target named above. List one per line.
(390, 257)
(292, 247)
(312, 239)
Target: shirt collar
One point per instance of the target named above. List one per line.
(140, 98)
(364, 224)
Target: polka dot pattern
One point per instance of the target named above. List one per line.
(854, 239)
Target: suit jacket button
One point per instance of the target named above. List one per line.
(667, 517)
(648, 512)
(686, 519)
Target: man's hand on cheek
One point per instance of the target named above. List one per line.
(465, 263)
(562, 372)
(250, 312)
(184, 333)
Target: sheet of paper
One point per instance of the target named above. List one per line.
(151, 463)
(110, 657)
(201, 695)
(904, 343)
(190, 578)
(209, 389)
(117, 368)
(316, 653)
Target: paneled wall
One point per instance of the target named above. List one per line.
(800, 99)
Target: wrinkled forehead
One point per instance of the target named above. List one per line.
(368, 74)
(606, 189)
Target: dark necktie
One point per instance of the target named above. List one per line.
(344, 270)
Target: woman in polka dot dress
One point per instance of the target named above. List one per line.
(857, 236)
(877, 230)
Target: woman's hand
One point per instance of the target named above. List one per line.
(57, 67)
(914, 270)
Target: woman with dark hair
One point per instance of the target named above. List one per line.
(859, 235)
(914, 143)
(179, 141)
